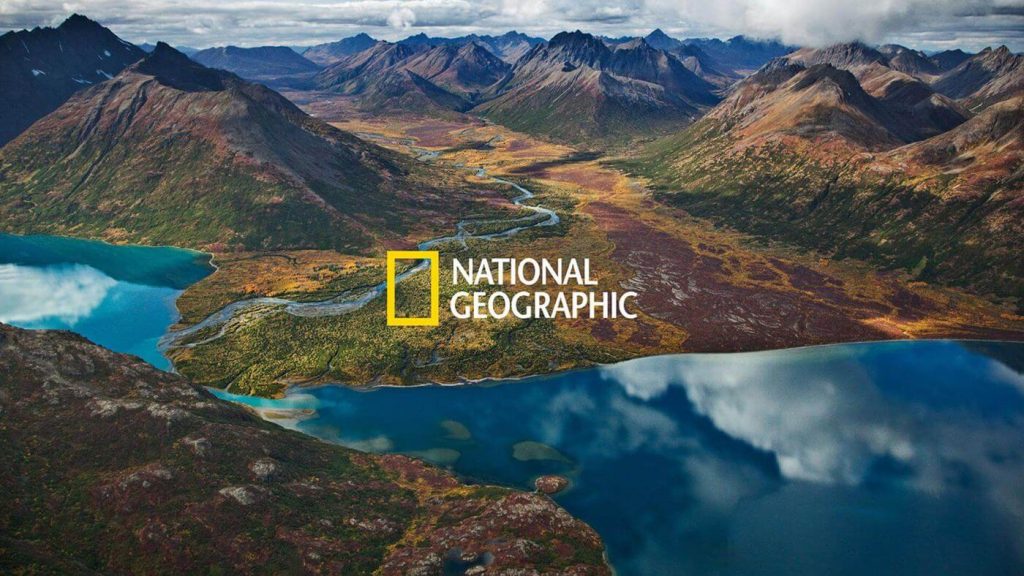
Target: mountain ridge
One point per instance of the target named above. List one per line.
(509, 46)
(985, 78)
(263, 62)
(395, 76)
(575, 87)
(41, 68)
(172, 152)
(330, 52)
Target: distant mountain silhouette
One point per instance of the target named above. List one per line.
(329, 53)
(268, 64)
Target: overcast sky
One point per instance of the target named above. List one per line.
(926, 24)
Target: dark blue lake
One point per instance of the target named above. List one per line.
(121, 297)
(868, 459)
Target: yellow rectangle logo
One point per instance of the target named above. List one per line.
(435, 286)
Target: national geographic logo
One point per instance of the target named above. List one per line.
(582, 301)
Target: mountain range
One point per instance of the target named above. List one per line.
(868, 153)
(510, 46)
(400, 77)
(615, 87)
(740, 54)
(604, 90)
(172, 152)
(973, 80)
(906, 158)
(576, 86)
(509, 77)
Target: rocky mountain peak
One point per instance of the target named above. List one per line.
(576, 40)
(1001, 54)
(326, 54)
(775, 72)
(658, 39)
(41, 68)
(635, 44)
(474, 49)
(418, 40)
(894, 49)
(79, 22)
(578, 48)
(514, 35)
(908, 60)
(176, 70)
(843, 55)
(949, 59)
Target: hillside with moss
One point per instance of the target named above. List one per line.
(263, 350)
(171, 152)
(114, 467)
(812, 163)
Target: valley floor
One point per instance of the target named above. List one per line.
(701, 288)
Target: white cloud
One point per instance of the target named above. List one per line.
(402, 18)
(819, 22)
(67, 293)
(523, 10)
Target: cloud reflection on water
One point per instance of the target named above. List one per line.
(829, 422)
(68, 293)
(896, 454)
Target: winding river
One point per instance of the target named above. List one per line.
(254, 308)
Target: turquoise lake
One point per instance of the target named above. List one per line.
(121, 297)
(898, 458)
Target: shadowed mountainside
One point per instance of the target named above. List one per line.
(41, 68)
(900, 82)
(985, 78)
